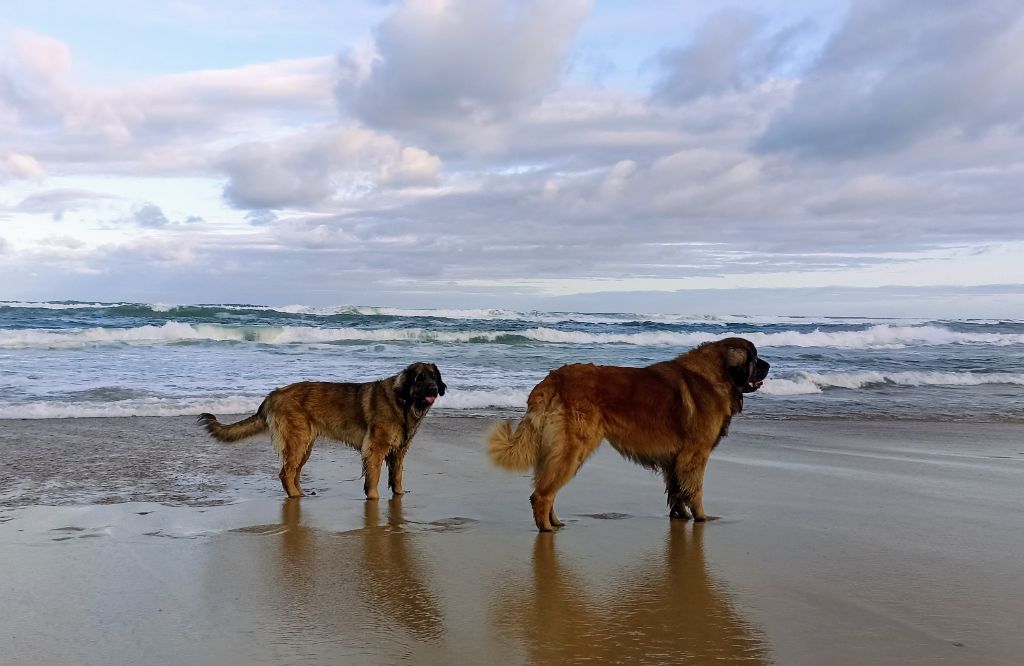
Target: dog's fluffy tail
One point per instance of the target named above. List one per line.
(234, 432)
(519, 449)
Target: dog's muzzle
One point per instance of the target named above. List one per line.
(428, 395)
(757, 379)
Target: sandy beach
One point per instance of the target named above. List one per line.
(141, 541)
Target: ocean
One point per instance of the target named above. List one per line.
(71, 359)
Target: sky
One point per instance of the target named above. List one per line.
(762, 157)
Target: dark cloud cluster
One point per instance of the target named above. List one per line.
(898, 73)
(732, 52)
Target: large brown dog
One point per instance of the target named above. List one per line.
(378, 419)
(667, 417)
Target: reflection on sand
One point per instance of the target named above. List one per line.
(659, 610)
(392, 582)
(364, 587)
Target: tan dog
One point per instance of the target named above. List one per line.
(667, 417)
(378, 419)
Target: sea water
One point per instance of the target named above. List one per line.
(73, 359)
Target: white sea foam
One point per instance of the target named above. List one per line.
(482, 399)
(57, 306)
(514, 397)
(808, 383)
(453, 400)
(874, 337)
(492, 314)
(122, 408)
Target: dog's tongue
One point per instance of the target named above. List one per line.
(430, 399)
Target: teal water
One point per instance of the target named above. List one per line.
(69, 359)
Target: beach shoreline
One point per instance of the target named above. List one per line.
(140, 540)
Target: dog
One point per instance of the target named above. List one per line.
(668, 417)
(378, 419)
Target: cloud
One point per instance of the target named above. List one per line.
(730, 53)
(57, 201)
(150, 216)
(261, 217)
(139, 126)
(19, 166)
(308, 168)
(897, 74)
(33, 76)
(873, 194)
(442, 66)
(414, 166)
(458, 150)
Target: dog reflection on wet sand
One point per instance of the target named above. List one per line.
(370, 578)
(668, 609)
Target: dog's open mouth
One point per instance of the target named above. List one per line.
(429, 399)
(753, 386)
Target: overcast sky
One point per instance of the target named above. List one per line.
(765, 157)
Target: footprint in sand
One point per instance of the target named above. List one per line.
(449, 524)
(80, 532)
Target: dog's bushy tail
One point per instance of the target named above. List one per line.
(519, 449)
(233, 432)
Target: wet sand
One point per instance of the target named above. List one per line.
(140, 541)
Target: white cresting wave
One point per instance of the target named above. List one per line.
(453, 400)
(482, 314)
(809, 383)
(504, 398)
(881, 336)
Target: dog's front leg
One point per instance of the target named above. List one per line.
(396, 467)
(371, 473)
(375, 448)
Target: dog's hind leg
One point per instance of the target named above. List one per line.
(302, 463)
(295, 450)
(552, 473)
(674, 492)
(555, 469)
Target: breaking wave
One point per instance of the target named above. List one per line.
(883, 336)
(808, 383)
(453, 400)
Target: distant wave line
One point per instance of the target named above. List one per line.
(477, 314)
(882, 336)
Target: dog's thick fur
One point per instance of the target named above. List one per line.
(378, 419)
(667, 417)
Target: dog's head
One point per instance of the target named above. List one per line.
(742, 365)
(419, 385)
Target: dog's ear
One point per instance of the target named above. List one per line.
(739, 363)
(403, 387)
(441, 386)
